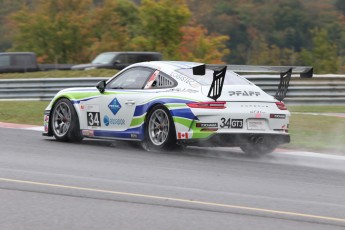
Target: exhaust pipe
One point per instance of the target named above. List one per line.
(257, 139)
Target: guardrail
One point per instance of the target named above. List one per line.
(321, 89)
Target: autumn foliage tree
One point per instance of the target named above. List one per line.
(110, 26)
(70, 31)
(197, 45)
(57, 30)
(321, 48)
(159, 27)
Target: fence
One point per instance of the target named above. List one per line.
(321, 89)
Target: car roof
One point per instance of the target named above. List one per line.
(168, 65)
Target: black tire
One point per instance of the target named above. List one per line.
(258, 149)
(65, 122)
(160, 131)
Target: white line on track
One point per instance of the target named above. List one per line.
(196, 202)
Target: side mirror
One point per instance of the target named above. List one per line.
(101, 86)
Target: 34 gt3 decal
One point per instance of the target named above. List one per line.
(93, 119)
(231, 123)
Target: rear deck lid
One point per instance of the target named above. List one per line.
(241, 93)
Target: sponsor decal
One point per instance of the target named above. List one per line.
(106, 120)
(114, 106)
(178, 90)
(134, 136)
(46, 122)
(93, 119)
(88, 133)
(231, 123)
(185, 79)
(111, 121)
(91, 108)
(82, 106)
(278, 116)
(244, 93)
(182, 135)
(206, 125)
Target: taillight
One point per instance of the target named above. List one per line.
(281, 106)
(208, 105)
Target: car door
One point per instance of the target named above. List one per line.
(118, 102)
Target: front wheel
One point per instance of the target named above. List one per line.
(159, 130)
(65, 122)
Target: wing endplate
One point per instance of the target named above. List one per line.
(217, 84)
(283, 85)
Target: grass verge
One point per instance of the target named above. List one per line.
(308, 132)
(23, 112)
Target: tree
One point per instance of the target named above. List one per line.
(159, 28)
(57, 30)
(323, 55)
(197, 45)
(6, 28)
(112, 25)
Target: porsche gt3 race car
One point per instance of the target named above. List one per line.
(170, 104)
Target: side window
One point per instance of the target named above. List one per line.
(23, 60)
(121, 59)
(5, 60)
(133, 78)
(132, 58)
(159, 80)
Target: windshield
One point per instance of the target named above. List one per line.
(103, 58)
(231, 78)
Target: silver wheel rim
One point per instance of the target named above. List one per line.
(158, 127)
(61, 119)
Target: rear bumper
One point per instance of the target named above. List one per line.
(236, 140)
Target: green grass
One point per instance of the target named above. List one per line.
(61, 74)
(23, 112)
(317, 133)
(317, 109)
(308, 132)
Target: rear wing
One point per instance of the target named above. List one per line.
(284, 71)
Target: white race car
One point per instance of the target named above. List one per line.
(170, 104)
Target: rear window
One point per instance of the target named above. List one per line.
(231, 78)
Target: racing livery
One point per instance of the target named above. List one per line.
(168, 105)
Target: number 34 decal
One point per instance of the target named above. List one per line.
(93, 119)
(231, 123)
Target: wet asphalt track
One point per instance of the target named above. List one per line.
(45, 184)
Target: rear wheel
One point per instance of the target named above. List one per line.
(65, 122)
(159, 130)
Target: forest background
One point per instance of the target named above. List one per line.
(255, 32)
